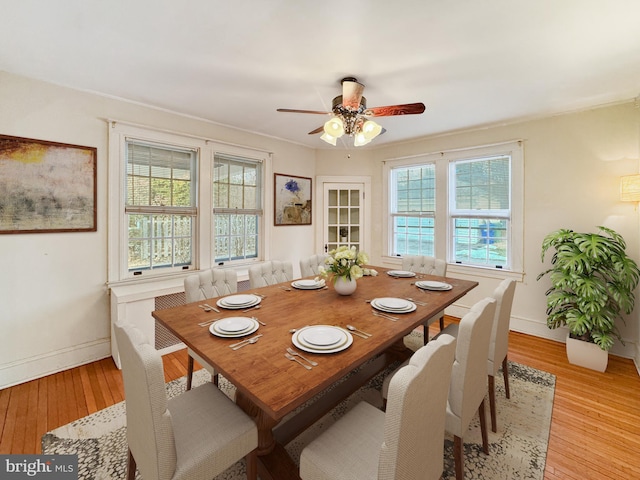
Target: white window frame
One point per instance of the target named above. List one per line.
(203, 247)
(443, 223)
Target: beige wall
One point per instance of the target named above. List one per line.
(54, 307)
(54, 304)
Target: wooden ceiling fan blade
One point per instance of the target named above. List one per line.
(351, 93)
(406, 109)
(293, 110)
(317, 130)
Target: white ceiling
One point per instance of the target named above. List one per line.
(472, 63)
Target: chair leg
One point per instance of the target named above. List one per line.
(441, 323)
(425, 333)
(189, 372)
(492, 403)
(483, 428)
(131, 467)
(458, 457)
(214, 379)
(252, 465)
(505, 375)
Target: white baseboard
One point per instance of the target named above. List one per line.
(53, 362)
(539, 329)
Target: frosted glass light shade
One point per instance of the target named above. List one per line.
(328, 138)
(334, 127)
(630, 188)
(371, 129)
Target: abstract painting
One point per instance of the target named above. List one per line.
(46, 186)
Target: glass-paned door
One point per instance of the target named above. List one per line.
(344, 215)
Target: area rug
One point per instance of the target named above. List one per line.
(517, 450)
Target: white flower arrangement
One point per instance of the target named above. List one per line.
(345, 262)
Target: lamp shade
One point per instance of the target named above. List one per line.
(334, 127)
(328, 138)
(630, 188)
(371, 129)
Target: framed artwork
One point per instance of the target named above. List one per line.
(46, 186)
(292, 200)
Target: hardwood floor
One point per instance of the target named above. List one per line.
(595, 428)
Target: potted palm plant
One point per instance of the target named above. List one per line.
(592, 286)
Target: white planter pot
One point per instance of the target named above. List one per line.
(585, 354)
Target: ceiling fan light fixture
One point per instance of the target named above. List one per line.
(334, 127)
(328, 138)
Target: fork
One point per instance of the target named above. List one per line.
(291, 357)
(246, 340)
(208, 322)
(212, 308)
(293, 352)
(384, 315)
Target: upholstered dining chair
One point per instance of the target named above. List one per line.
(194, 435)
(427, 266)
(211, 283)
(270, 273)
(468, 382)
(499, 343)
(406, 442)
(309, 266)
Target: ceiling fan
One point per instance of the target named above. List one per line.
(351, 115)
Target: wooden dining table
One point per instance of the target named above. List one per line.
(271, 387)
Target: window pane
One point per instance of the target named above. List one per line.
(481, 241)
(482, 184)
(414, 236)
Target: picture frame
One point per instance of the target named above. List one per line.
(46, 187)
(292, 200)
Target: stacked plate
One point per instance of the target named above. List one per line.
(308, 284)
(322, 339)
(236, 302)
(401, 273)
(233, 327)
(432, 285)
(393, 305)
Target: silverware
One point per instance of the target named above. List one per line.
(206, 309)
(291, 357)
(246, 340)
(355, 330)
(293, 352)
(286, 289)
(212, 308)
(208, 322)
(384, 315)
(259, 321)
(417, 302)
(256, 307)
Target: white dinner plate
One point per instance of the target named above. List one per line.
(220, 333)
(322, 336)
(433, 285)
(239, 301)
(393, 305)
(308, 284)
(401, 273)
(302, 345)
(234, 324)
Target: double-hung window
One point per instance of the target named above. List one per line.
(413, 205)
(160, 206)
(237, 208)
(179, 203)
(480, 211)
(464, 206)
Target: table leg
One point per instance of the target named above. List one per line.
(265, 424)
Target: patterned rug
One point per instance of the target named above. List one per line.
(517, 450)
